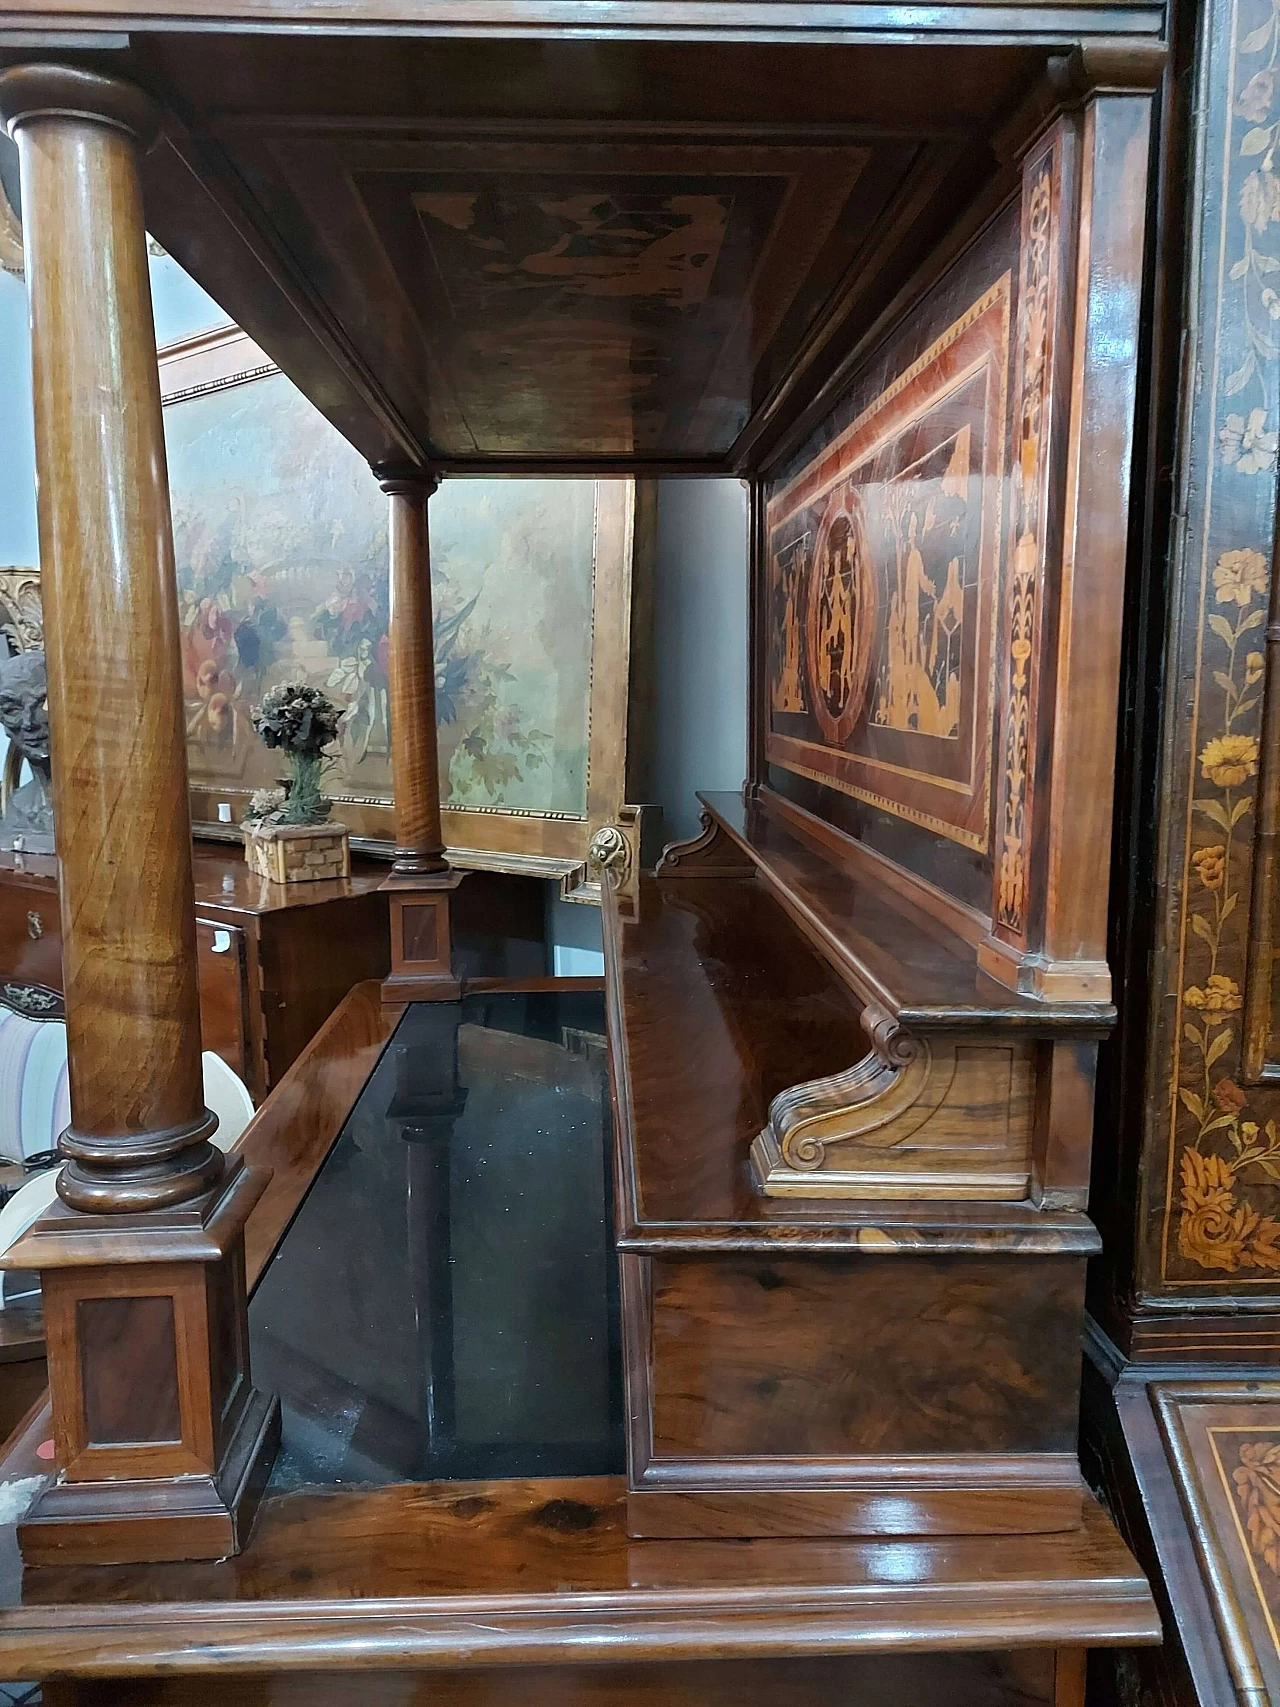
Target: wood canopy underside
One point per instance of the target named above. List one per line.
(564, 254)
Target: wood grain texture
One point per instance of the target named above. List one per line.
(289, 1137)
(139, 1136)
(854, 1396)
(1114, 148)
(295, 1129)
(437, 1577)
(837, 1356)
(890, 952)
(415, 757)
(716, 1005)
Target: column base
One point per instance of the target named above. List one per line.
(160, 1521)
(421, 939)
(162, 1443)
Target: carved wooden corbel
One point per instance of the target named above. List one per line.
(712, 853)
(915, 1117)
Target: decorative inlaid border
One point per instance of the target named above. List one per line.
(960, 811)
(1219, 1219)
(1028, 524)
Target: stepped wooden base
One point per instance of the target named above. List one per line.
(154, 1522)
(161, 1444)
(421, 939)
(879, 1364)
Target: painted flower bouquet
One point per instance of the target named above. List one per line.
(287, 832)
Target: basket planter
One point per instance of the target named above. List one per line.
(298, 853)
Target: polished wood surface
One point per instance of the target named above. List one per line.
(415, 758)
(427, 1576)
(747, 1317)
(288, 1140)
(918, 967)
(723, 1014)
(385, 313)
(294, 1131)
(138, 1137)
(1115, 143)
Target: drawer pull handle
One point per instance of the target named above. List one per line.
(221, 942)
(35, 926)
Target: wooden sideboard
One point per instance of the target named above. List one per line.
(274, 960)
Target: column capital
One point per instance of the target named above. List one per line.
(405, 479)
(41, 91)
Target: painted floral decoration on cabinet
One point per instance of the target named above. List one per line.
(1219, 1228)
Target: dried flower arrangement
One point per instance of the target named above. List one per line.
(288, 836)
(300, 721)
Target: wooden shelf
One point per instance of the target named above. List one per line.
(490, 1574)
(717, 1004)
(894, 940)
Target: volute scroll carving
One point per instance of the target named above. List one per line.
(895, 1046)
(914, 1117)
(711, 853)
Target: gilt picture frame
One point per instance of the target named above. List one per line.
(282, 571)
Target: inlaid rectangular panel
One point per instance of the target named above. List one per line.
(1223, 1443)
(133, 1350)
(883, 566)
(832, 1357)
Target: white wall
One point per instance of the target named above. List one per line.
(17, 439)
(700, 646)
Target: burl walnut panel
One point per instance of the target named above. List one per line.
(838, 1356)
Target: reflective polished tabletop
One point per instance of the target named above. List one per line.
(444, 1305)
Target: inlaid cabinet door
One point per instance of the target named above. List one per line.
(220, 951)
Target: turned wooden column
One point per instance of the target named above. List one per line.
(421, 881)
(161, 1443)
(139, 1134)
(415, 756)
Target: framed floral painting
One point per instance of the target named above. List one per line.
(280, 542)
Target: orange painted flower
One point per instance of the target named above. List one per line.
(1228, 1096)
(1219, 996)
(1229, 759)
(1210, 865)
(1238, 575)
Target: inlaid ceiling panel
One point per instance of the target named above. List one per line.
(576, 296)
(564, 253)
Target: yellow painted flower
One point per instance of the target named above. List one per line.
(1219, 996)
(1254, 665)
(1238, 575)
(1212, 1228)
(1210, 865)
(1229, 759)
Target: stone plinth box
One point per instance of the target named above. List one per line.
(298, 853)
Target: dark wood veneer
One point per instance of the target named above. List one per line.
(523, 1573)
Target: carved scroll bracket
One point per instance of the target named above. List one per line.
(915, 1117)
(712, 853)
